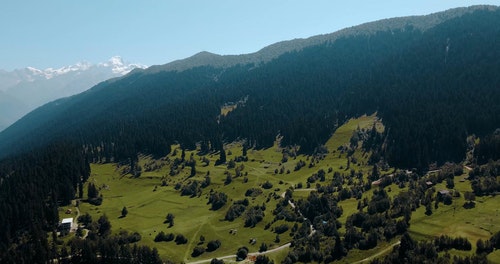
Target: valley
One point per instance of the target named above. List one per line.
(379, 143)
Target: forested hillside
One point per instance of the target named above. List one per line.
(432, 88)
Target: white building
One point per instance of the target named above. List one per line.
(66, 224)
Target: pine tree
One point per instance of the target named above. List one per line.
(124, 211)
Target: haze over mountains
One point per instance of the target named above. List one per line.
(23, 90)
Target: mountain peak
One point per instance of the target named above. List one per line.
(33, 87)
(119, 66)
(116, 60)
(115, 63)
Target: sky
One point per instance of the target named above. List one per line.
(56, 33)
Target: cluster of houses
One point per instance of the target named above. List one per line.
(441, 193)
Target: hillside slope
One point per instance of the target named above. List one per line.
(432, 88)
(432, 96)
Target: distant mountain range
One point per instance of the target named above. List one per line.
(23, 90)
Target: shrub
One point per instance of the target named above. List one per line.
(213, 245)
(267, 185)
(197, 251)
(180, 239)
(281, 229)
(235, 211)
(253, 192)
(242, 253)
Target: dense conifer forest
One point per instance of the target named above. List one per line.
(426, 86)
(432, 90)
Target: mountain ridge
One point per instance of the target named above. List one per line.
(206, 58)
(304, 94)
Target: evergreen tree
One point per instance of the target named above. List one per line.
(193, 171)
(92, 192)
(124, 211)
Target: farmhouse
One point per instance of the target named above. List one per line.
(65, 225)
(442, 193)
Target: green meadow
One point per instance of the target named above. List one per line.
(480, 222)
(148, 200)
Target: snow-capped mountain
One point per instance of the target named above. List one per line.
(23, 90)
(119, 67)
(115, 64)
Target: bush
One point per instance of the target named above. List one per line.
(217, 261)
(263, 247)
(85, 219)
(242, 253)
(267, 185)
(262, 259)
(235, 211)
(213, 245)
(134, 237)
(253, 216)
(192, 189)
(253, 192)
(281, 229)
(164, 237)
(180, 239)
(197, 251)
(95, 201)
(160, 237)
(217, 200)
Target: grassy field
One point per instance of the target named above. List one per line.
(454, 220)
(193, 217)
(148, 202)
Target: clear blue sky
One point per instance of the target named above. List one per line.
(55, 33)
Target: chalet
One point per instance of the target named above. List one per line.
(65, 225)
(377, 182)
(443, 193)
(429, 183)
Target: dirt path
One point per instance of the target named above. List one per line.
(378, 254)
(75, 220)
(195, 237)
(75, 223)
